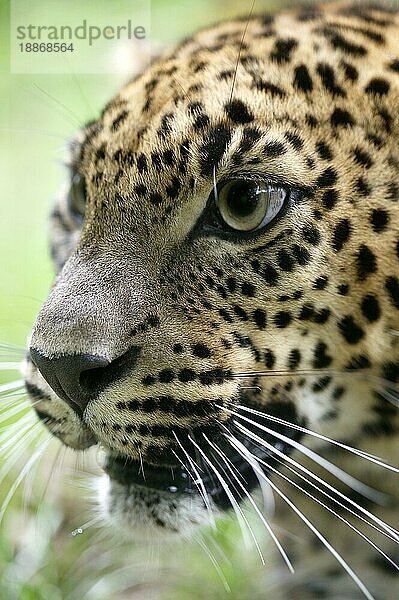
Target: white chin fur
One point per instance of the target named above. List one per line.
(138, 511)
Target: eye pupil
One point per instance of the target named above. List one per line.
(247, 205)
(243, 198)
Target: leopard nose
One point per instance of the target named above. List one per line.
(76, 378)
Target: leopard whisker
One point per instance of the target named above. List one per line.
(82, 528)
(324, 438)
(240, 50)
(267, 492)
(198, 481)
(255, 465)
(349, 480)
(393, 532)
(18, 450)
(253, 503)
(13, 348)
(287, 459)
(13, 410)
(10, 366)
(392, 398)
(241, 518)
(303, 372)
(328, 508)
(24, 471)
(16, 431)
(214, 562)
(13, 385)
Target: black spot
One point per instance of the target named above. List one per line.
(311, 234)
(362, 157)
(377, 86)
(327, 76)
(343, 289)
(213, 149)
(371, 308)
(338, 392)
(249, 138)
(272, 149)
(269, 88)
(140, 190)
(394, 65)
(301, 254)
(240, 312)
(294, 140)
(269, 359)
(166, 376)
(116, 123)
(155, 199)
(321, 384)
(201, 350)
(350, 71)
(320, 283)
(148, 380)
(338, 41)
(282, 319)
(269, 274)
(178, 348)
(225, 315)
(231, 284)
(302, 79)
(392, 287)
(341, 234)
(311, 120)
(321, 358)
(322, 316)
(259, 317)
(324, 151)
(366, 262)
(142, 163)
(379, 220)
(248, 289)
(341, 118)
(390, 372)
(187, 375)
(294, 359)
(376, 140)
(285, 260)
(350, 330)
(283, 49)
(329, 198)
(238, 111)
(362, 187)
(201, 122)
(173, 188)
(168, 157)
(306, 313)
(327, 178)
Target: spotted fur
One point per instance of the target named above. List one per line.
(308, 100)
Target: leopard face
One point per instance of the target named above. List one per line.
(227, 241)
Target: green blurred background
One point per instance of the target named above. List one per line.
(39, 558)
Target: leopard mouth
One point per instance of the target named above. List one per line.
(233, 476)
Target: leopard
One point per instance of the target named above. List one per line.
(224, 317)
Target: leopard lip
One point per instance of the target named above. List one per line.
(241, 477)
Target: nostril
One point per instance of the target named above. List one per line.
(96, 379)
(78, 378)
(63, 374)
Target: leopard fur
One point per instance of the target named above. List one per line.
(299, 320)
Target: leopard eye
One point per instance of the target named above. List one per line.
(246, 205)
(77, 197)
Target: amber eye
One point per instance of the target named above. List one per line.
(77, 197)
(246, 205)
